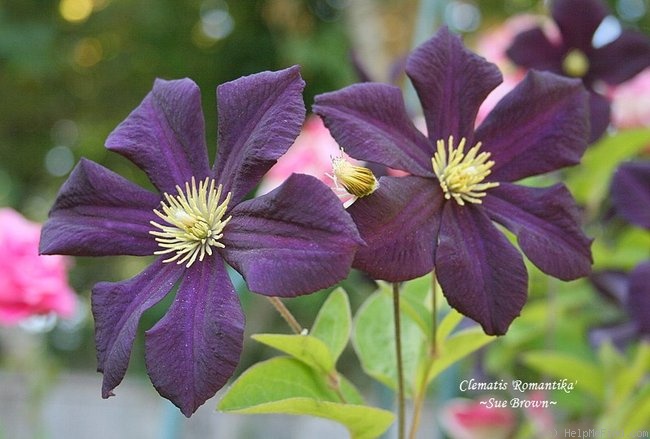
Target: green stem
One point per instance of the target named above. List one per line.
(418, 402)
(401, 410)
(286, 314)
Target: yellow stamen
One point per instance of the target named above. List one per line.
(575, 63)
(194, 220)
(357, 180)
(461, 175)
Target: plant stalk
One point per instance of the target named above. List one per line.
(401, 406)
(286, 314)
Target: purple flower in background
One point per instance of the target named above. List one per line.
(578, 54)
(294, 240)
(629, 292)
(461, 179)
(630, 190)
(630, 193)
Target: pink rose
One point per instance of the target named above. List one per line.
(467, 419)
(30, 284)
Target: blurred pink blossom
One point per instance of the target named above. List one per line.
(631, 102)
(29, 284)
(310, 154)
(467, 419)
(493, 43)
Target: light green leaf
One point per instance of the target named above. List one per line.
(334, 322)
(306, 348)
(286, 385)
(589, 182)
(588, 377)
(374, 342)
(457, 347)
(447, 325)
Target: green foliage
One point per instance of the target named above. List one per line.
(589, 183)
(619, 383)
(374, 341)
(334, 322)
(307, 383)
(286, 385)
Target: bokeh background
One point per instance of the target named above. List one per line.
(71, 70)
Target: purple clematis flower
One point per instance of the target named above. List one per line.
(461, 178)
(630, 190)
(294, 240)
(577, 56)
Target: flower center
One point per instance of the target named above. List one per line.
(357, 180)
(194, 220)
(575, 63)
(461, 175)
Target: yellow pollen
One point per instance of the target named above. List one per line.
(194, 222)
(357, 180)
(461, 175)
(575, 63)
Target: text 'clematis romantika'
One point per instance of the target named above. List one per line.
(461, 178)
(618, 57)
(294, 240)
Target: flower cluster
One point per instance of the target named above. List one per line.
(298, 238)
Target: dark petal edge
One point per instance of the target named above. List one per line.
(260, 116)
(99, 213)
(117, 308)
(294, 240)
(481, 274)
(452, 83)
(399, 223)
(540, 126)
(546, 222)
(193, 351)
(370, 123)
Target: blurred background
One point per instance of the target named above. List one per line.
(71, 70)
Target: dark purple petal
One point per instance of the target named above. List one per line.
(540, 126)
(117, 308)
(612, 284)
(452, 83)
(399, 223)
(370, 123)
(599, 115)
(621, 59)
(631, 192)
(193, 351)
(481, 274)
(546, 222)
(532, 49)
(165, 135)
(294, 240)
(578, 21)
(639, 297)
(259, 118)
(98, 213)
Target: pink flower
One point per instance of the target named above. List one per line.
(29, 284)
(467, 419)
(310, 154)
(493, 44)
(631, 102)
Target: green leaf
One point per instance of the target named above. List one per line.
(286, 385)
(589, 182)
(457, 347)
(334, 322)
(588, 377)
(306, 348)
(447, 325)
(374, 342)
